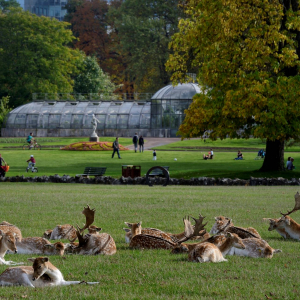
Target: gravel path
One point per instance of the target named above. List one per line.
(151, 143)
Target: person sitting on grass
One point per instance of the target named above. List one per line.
(288, 161)
(290, 165)
(239, 155)
(208, 156)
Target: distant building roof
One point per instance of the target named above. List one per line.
(184, 91)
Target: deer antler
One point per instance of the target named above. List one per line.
(89, 217)
(297, 205)
(190, 231)
(80, 237)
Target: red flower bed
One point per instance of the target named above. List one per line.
(92, 146)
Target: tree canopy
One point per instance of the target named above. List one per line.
(246, 54)
(6, 4)
(34, 56)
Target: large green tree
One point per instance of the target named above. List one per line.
(6, 4)
(91, 78)
(34, 56)
(144, 29)
(247, 56)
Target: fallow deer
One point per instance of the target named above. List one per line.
(208, 252)
(7, 227)
(254, 248)
(286, 226)
(39, 245)
(60, 232)
(93, 242)
(7, 242)
(224, 224)
(43, 273)
(137, 229)
(145, 241)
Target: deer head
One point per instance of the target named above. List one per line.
(40, 266)
(8, 239)
(297, 205)
(136, 228)
(89, 218)
(56, 248)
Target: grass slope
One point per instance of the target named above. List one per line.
(155, 274)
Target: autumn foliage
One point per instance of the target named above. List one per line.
(92, 146)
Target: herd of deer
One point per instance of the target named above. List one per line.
(223, 239)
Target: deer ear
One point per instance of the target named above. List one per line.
(98, 229)
(128, 224)
(139, 223)
(45, 259)
(216, 218)
(31, 259)
(127, 229)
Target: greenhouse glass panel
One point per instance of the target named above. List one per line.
(65, 121)
(101, 119)
(102, 109)
(46, 108)
(125, 108)
(20, 120)
(58, 107)
(87, 121)
(54, 121)
(134, 121)
(31, 121)
(77, 121)
(145, 121)
(136, 109)
(92, 107)
(43, 121)
(11, 120)
(114, 109)
(111, 122)
(35, 108)
(146, 108)
(156, 121)
(123, 121)
(80, 108)
(68, 109)
(16, 110)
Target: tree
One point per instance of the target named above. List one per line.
(91, 79)
(145, 29)
(34, 56)
(6, 4)
(4, 109)
(247, 56)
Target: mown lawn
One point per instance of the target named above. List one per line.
(155, 274)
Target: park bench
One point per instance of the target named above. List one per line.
(158, 172)
(93, 171)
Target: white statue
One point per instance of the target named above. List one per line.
(94, 123)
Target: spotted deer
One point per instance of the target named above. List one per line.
(94, 242)
(163, 241)
(39, 245)
(60, 232)
(7, 242)
(224, 224)
(254, 248)
(7, 227)
(42, 274)
(287, 224)
(274, 226)
(208, 252)
(137, 229)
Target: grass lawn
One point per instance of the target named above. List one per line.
(155, 274)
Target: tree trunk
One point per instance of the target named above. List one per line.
(274, 160)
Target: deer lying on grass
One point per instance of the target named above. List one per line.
(41, 274)
(7, 227)
(163, 241)
(60, 232)
(137, 229)
(208, 252)
(286, 226)
(39, 245)
(93, 242)
(7, 242)
(222, 222)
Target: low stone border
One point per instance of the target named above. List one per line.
(199, 181)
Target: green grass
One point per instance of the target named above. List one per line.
(227, 145)
(155, 274)
(188, 164)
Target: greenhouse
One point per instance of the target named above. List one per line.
(159, 116)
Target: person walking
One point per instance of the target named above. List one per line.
(154, 155)
(116, 147)
(141, 143)
(135, 140)
(2, 163)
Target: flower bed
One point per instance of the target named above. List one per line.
(92, 146)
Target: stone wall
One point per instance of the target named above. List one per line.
(199, 181)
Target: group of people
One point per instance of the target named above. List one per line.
(138, 141)
(210, 155)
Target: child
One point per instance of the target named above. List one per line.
(154, 155)
(31, 163)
